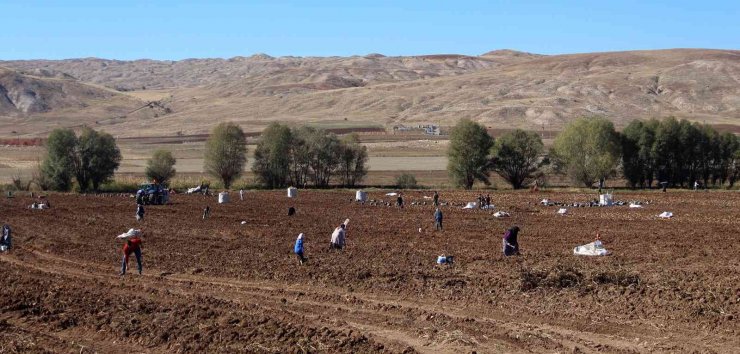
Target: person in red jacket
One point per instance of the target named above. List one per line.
(132, 245)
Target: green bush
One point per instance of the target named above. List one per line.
(406, 181)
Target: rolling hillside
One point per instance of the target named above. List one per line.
(501, 89)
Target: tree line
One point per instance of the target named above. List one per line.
(590, 150)
(308, 156)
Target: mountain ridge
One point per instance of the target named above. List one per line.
(501, 88)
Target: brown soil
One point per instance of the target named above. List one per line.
(218, 286)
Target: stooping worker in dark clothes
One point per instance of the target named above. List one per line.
(139, 212)
(132, 245)
(510, 242)
(6, 239)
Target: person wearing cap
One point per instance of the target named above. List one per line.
(298, 249)
(132, 245)
(510, 242)
(338, 238)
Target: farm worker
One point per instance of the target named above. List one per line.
(435, 198)
(241, 194)
(206, 212)
(510, 242)
(6, 240)
(338, 238)
(399, 201)
(139, 212)
(438, 219)
(298, 249)
(696, 185)
(488, 200)
(133, 245)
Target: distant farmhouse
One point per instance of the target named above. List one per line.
(428, 129)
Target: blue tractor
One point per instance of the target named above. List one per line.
(152, 194)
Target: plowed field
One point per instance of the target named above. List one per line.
(216, 285)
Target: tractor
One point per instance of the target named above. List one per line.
(152, 194)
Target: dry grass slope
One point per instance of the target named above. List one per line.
(501, 89)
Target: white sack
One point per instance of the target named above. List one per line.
(130, 233)
(223, 198)
(471, 205)
(666, 215)
(361, 196)
(501, 214)
(595, 248)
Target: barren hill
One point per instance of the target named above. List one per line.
(358, 70)
(31, 105)
(502, 88)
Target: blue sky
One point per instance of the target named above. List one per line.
(130, 29)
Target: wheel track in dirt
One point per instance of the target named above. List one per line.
(387, 320)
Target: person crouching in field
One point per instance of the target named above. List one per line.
(338, 238)
(132, 245)
(298, 249)
(139, 212)
(510, 242)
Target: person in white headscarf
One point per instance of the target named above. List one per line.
(298, 249)
(338, 238)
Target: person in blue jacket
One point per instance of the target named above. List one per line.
(298, 249)
(438, 219)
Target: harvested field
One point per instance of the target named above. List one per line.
(218, 286)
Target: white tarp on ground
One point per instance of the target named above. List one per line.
(130, 233)
(391, 194)
(595, 248)
(292, 192)
(501, 214)
(471, 205)
(223, 198)
(633, 205)
(562, 211)
(194, 190)
(361, 196)
(666, 215)
(545, 201)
